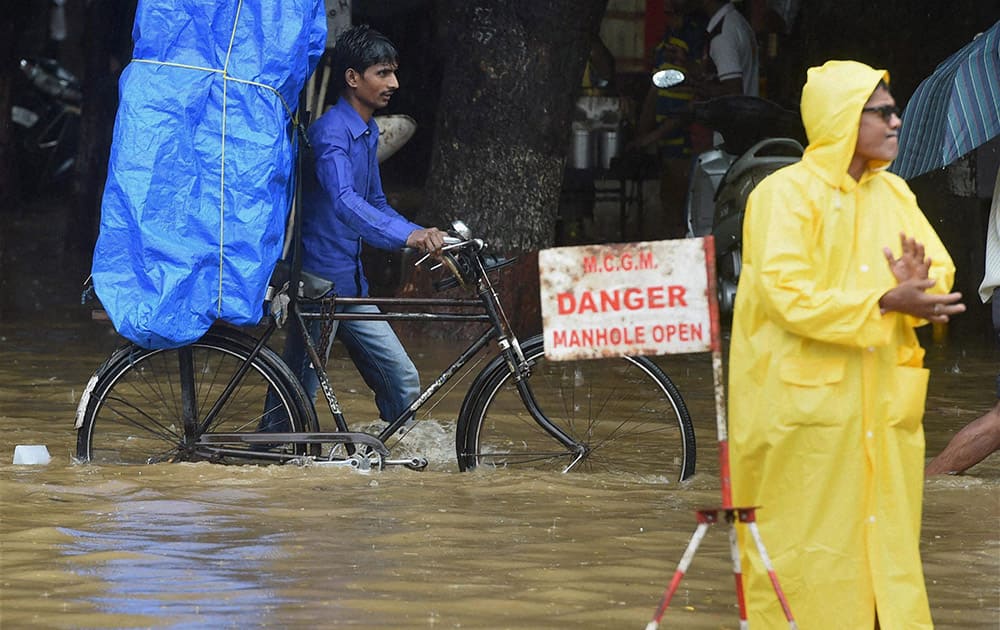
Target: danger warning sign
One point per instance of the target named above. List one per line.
(627, 299)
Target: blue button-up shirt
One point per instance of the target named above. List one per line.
(348, 206)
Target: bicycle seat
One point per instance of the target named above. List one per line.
(311, 286)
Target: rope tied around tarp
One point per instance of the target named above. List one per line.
(227, 77)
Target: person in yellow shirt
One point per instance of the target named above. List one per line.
(826, 377)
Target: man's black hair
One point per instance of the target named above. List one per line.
(359, 47)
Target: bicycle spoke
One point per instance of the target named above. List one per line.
(165, 432)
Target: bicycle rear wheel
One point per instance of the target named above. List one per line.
(133, 410)
(625, 411)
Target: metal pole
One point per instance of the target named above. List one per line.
(734, 552)
(749, 517)
(682, 568)
(707, 517)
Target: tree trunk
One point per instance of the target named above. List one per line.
(512, 74)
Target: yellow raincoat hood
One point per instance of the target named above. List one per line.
(832, 100)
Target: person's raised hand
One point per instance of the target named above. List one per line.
(912, 263)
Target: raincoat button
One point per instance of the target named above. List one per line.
(864, 268)
(871, 519)
(870, 434)
(870, 348)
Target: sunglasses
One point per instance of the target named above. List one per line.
(885, 111)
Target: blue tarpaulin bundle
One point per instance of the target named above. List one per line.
(200, 176)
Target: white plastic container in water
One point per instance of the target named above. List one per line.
(31, 454)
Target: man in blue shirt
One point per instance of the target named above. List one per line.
(348, 207)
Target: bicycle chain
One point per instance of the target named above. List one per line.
(326, 310)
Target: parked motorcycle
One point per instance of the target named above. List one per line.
(46, 115)
(756, 137)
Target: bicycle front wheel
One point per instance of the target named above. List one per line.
(147, 406)
(625, 412)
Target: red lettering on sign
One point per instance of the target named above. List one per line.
(610, 301)
(677, 292)
(566, 303)
(627, 261)
(656, 297)
(591, 337)
(677, 332)
(632, 299)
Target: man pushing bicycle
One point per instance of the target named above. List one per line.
(344, 206)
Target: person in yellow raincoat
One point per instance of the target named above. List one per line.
(826, 377)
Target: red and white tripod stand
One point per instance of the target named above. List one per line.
(732, 514)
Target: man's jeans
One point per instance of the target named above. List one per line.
(376, 352)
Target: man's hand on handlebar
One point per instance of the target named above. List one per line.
(427, 240)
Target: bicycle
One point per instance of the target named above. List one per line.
(205, 401)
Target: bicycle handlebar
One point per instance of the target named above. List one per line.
(452, 243)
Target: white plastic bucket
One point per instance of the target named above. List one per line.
(31, 454)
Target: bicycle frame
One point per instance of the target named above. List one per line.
(321, 373)
(487, 309)
(491, 312)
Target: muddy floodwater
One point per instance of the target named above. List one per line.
(210, 546)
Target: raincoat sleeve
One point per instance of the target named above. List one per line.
(784, 239)
(942, 268)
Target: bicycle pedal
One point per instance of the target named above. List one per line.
(360, 464)
(413, 463)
